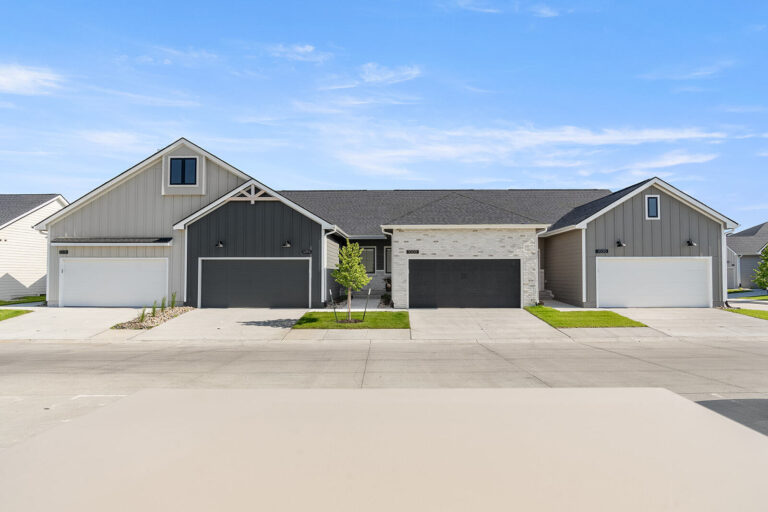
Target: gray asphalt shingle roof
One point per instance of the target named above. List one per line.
(362, 212)
(15, 205)
(586, 210)
(750, 240)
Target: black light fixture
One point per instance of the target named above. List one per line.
(219, 244)
(619, 243)
(691, 243)
(286, 244)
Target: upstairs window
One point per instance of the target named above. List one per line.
(652, 207)
(369, 259)
(183, 171)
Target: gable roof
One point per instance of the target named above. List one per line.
(749, 241)
(109, 185)
(205, 210)
(580, 216)
(363, 212)
(585, 211)
(16, 206)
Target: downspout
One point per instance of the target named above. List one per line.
(724, 266)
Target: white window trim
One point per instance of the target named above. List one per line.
(658, 207)
(198, 177)
(221, 258)
(372, 247)
(388, 270)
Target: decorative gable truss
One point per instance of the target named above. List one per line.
(253, 194)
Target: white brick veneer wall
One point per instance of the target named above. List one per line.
(519, 244)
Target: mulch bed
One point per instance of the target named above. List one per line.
(153, 321)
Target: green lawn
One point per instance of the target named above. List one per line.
(737, 290)
(756, 313)
(23, 300)
(5, 314)
(374, 320)
(757, 297)
(562, 319)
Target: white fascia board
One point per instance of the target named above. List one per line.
(368, 237)
(181, 225)
(111, 184)
(109, 244)
(464, 226)
(557, 231)
(59, 198)
(697, 205)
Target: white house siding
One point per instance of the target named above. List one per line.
(489, 243)
(137, 208)
(23, 252)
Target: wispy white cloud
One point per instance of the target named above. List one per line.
(544, 11)
(166, 55)
(152, 101)
(17, 79)
(754, 207)
(475, 6)
(7, 104)
(701, 72)
(298, 52)
(674, 158)
(763, 153)
(374, 73)
(742, 109)
(113, 140)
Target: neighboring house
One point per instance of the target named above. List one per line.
(745, 248)
(24, 250)
(185, 222)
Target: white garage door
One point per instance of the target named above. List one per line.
(112, 281)
(654, 282)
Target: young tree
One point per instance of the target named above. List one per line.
(350, 272)
(761, 272)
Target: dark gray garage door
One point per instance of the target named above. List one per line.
(254, 283)
(464, 283)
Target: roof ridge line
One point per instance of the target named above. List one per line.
(499, 207)
(419, 207)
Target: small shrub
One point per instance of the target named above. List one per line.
(162, 305)
(143, 315)
(154, 308)
(173, 300)
(386, 299)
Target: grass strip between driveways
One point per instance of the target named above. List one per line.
(755, 313)
(566, 319)
(5, 314)
(23, 300)
(754, 297)
(373, 320)
(739, 290)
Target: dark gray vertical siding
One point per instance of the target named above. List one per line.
(378, 243)
(664, 237)
(254, 230)
(748, 266)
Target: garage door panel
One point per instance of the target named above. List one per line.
(112, 282)
(246, 283)
(463, 283)
(654, 282)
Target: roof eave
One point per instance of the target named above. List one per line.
(464, 226)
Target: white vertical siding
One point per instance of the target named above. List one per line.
(23, 252)
(138, 208)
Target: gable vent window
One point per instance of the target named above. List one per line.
(652, 207)
(183, 171)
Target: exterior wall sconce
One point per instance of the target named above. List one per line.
(219, 244)
(286, 244)
(691, 243)
(619, 243)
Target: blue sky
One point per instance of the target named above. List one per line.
(394, 94)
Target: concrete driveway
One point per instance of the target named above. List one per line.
(46, 323)
(698, 322)
(480, 324)
(225, 324)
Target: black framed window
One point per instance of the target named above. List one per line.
(183, 171)
(388, 260)
(652, 207)
(369, 259)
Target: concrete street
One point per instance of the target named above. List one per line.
(699, 354)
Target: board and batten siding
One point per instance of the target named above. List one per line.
(331, 253)
(23, 255)
(561, 255)
(254, 230)
(666, 236)
(137, 208)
